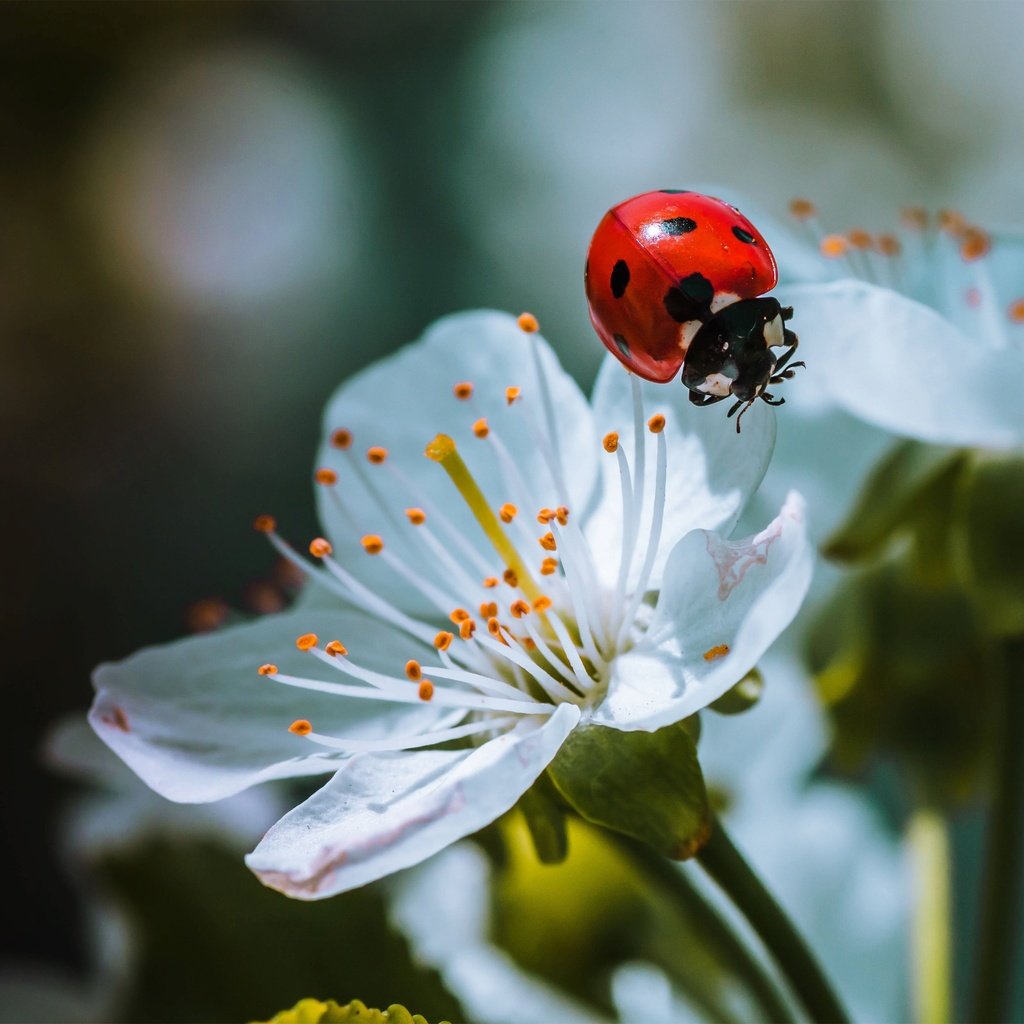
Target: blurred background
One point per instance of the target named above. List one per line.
(210, 214)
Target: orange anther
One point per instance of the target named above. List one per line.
(528, 323)
(507, 512)
(529, 644)
(542, 604)
(301, 727)
(494, 626)
(611, 442)
(716, 652)
(512, 393)
(267, 670)
(342, 438)
(974, 244)
(488, 609)
(376, 454)
(467, 629)
(325, 476)
(519, 609)
(833, 246)
(952, 222)
(888, 245)
(463, 390)
(480, 428)
(491, 581)
(320, 547)
(915, 217)
(545, 515)
(306, 642)
(802, 209)
(459, 615)
(443, 640)
(548, 566)
(264, 524)
(547, 541)
(510, 577)
(426, 689)
(413, 670)
(416, 516)
(562, 514)
(656, 424)
(1016, 311)
(372, 544)
(335, 648)
(859, 238)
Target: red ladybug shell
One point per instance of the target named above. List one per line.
(663, 262)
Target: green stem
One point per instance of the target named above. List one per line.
(725, 864)
(928, 842)
(1002, 872)
(668, 877)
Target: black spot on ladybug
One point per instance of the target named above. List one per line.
(674, 191)
(678, 225)
(691, 300)
(620, 278)
(622, 344)
(744, 236)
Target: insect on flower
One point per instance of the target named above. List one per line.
(674, 280)
(500, 564)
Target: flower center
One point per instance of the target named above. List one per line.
(524, 653)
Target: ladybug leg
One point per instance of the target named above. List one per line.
(771, 399)
(743, 405)
(792, 341)
(787, 312)
(787, 374)
(699, 398)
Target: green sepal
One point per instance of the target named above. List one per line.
(647, 785)
(992, 505)
(313, 1011)
(897, 490)
(544, 812)
(742, 697)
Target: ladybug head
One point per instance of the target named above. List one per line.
(732, 354)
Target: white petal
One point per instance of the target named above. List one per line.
(385, 812)
(712, 470)
(742, 594)
(196, 722)
(896, 363)
(402, 402)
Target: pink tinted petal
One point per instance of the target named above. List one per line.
(385, 812)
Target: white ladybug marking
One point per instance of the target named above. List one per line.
(716, 384)
(687, 332)
(723, 299)
(774, 333)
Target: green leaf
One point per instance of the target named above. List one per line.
(313, 1011)
(742, 697)
(545, 818)
(992, 497)
(891, 497)
(647, 785)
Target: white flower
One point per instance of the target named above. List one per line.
(628, 613)
(920, 333)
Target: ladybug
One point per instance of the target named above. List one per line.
(674, 281)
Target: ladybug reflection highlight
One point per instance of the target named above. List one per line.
(674, 282)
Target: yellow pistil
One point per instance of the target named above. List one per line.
(442, 449)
